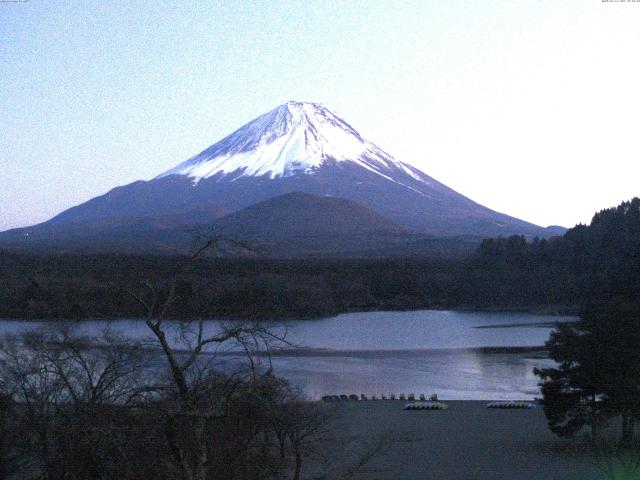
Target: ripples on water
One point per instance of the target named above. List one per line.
(401, 352)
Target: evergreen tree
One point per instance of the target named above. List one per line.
(598, 372)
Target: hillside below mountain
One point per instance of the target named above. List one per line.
(297, 147)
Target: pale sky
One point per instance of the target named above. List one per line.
(528, 107)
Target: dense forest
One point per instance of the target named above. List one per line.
(588, 265)
(555, 275)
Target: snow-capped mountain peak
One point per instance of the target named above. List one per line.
(296, 137)
(293, 151)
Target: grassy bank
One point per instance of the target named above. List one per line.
(466, 442)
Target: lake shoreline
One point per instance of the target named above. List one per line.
(324, 352)
(552, 311)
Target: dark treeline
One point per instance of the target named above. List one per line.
(597, 372)
(555, 275)
(78, 286)
(589, 264)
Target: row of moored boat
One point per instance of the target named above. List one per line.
(354, 397)
(422, 403)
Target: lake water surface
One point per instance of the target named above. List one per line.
(426, 351)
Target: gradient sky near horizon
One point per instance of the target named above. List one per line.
(528, 107)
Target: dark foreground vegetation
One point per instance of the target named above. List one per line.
(106, 407)
(506, 273)
(74, 407)
(597, 376)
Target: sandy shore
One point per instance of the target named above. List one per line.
(466, 442)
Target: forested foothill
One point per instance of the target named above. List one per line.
(513, 273)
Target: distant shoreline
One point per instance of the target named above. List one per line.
(369, 353)
(519, 325)
(542, 311)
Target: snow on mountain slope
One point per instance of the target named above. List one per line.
(297, 147)
(293, 138)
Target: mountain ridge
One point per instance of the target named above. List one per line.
(296, 147)
(294, 225)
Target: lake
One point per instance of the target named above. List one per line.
(426, 351)
(458, 355)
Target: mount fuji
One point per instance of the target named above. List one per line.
(297, 147)
(295, 138)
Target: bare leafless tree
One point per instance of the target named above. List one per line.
(307, 425)
(187, 370)
(29, 382)
(102, 406)
(366, 452)
(67, 388)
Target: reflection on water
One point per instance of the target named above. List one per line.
(455, 375)
(424, 329)
(417, 352)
